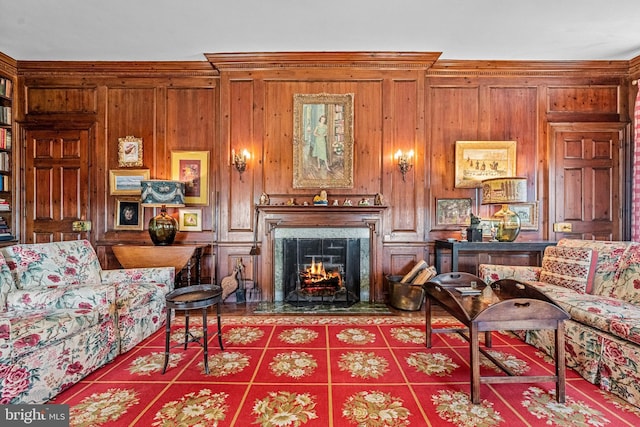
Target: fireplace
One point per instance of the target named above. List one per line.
(321, 270)
(355, 228)
(300, 254)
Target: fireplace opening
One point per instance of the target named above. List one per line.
(321, 271)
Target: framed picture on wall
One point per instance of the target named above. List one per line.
(453, 212)
(192, 168)
(127, 181)
(528, 213)
(128, 215)
(129, 152)
(323, 140)
(190, 219)
(479, 160)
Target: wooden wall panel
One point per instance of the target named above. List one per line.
(42, 100)
(583, 99)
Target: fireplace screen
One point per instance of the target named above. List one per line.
(323, 271)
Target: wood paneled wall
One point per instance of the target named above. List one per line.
(401, 101)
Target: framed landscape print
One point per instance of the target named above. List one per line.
(479, 160)
(453, 212)
(528, 213)
(323, 141)
(192, 168)
(127, 181)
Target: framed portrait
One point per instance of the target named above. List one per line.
(128, 215)
(453, 212)
(323, 141)
(190, 219)
(528, 213)
(127, 181)
(479, 160)
(129, 152)
(192, 168)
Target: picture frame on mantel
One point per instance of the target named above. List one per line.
(480, 160)
(323, 140)
(192, 168)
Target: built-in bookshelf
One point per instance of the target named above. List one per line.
(6, 158)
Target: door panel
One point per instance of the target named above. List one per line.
(585, 180)
(56, 184)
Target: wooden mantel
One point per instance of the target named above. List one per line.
(272, 217)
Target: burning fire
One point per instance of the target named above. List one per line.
(316, 271)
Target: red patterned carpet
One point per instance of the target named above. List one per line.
(330, 371)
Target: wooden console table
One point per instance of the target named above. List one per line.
(176, 256)
(518, 253)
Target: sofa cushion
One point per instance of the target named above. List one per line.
(610, 255)
(50, 265)
(31, 330)
(569, 267)
(627, 281)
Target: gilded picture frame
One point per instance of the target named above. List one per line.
(323, 140)
(128, 215)
(129, 152)
(190, 219)
(127, 181)
(453, 212)
(480, 160)
(192, 168)
(528, 213)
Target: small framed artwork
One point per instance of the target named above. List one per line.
(190, 219)
(128, 215)
(485, 226)
(127, 181)
(129, 152)
(480, 160)
(192, 168)
(528, 213)
(453, 212)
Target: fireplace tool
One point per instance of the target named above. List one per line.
(254, 252)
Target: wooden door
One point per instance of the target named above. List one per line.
(56, 184)
(585, 181)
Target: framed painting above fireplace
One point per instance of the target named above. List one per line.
(323, 140)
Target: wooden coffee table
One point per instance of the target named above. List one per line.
(506, 305)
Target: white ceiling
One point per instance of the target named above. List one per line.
(176, 30)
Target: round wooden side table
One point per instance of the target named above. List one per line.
(193, 298)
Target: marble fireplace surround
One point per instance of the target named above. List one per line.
(281, 221)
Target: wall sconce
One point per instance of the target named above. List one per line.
(240, 161)
(404, 162)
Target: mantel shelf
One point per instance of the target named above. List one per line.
(292, 209)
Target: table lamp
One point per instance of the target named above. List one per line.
(162, 193)
(503, 191)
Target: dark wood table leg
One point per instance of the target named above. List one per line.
(427, 310)
(219, 326)
(205, 342)
(186, 328)
(475, 363)
(167, 340)
(560, 363)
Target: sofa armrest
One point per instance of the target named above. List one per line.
(92, 297)
(163, 275)
(493, 272)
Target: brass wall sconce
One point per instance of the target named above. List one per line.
(404, 162)
(240, 161)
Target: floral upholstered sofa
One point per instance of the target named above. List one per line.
(62, 316)
(598, 283)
